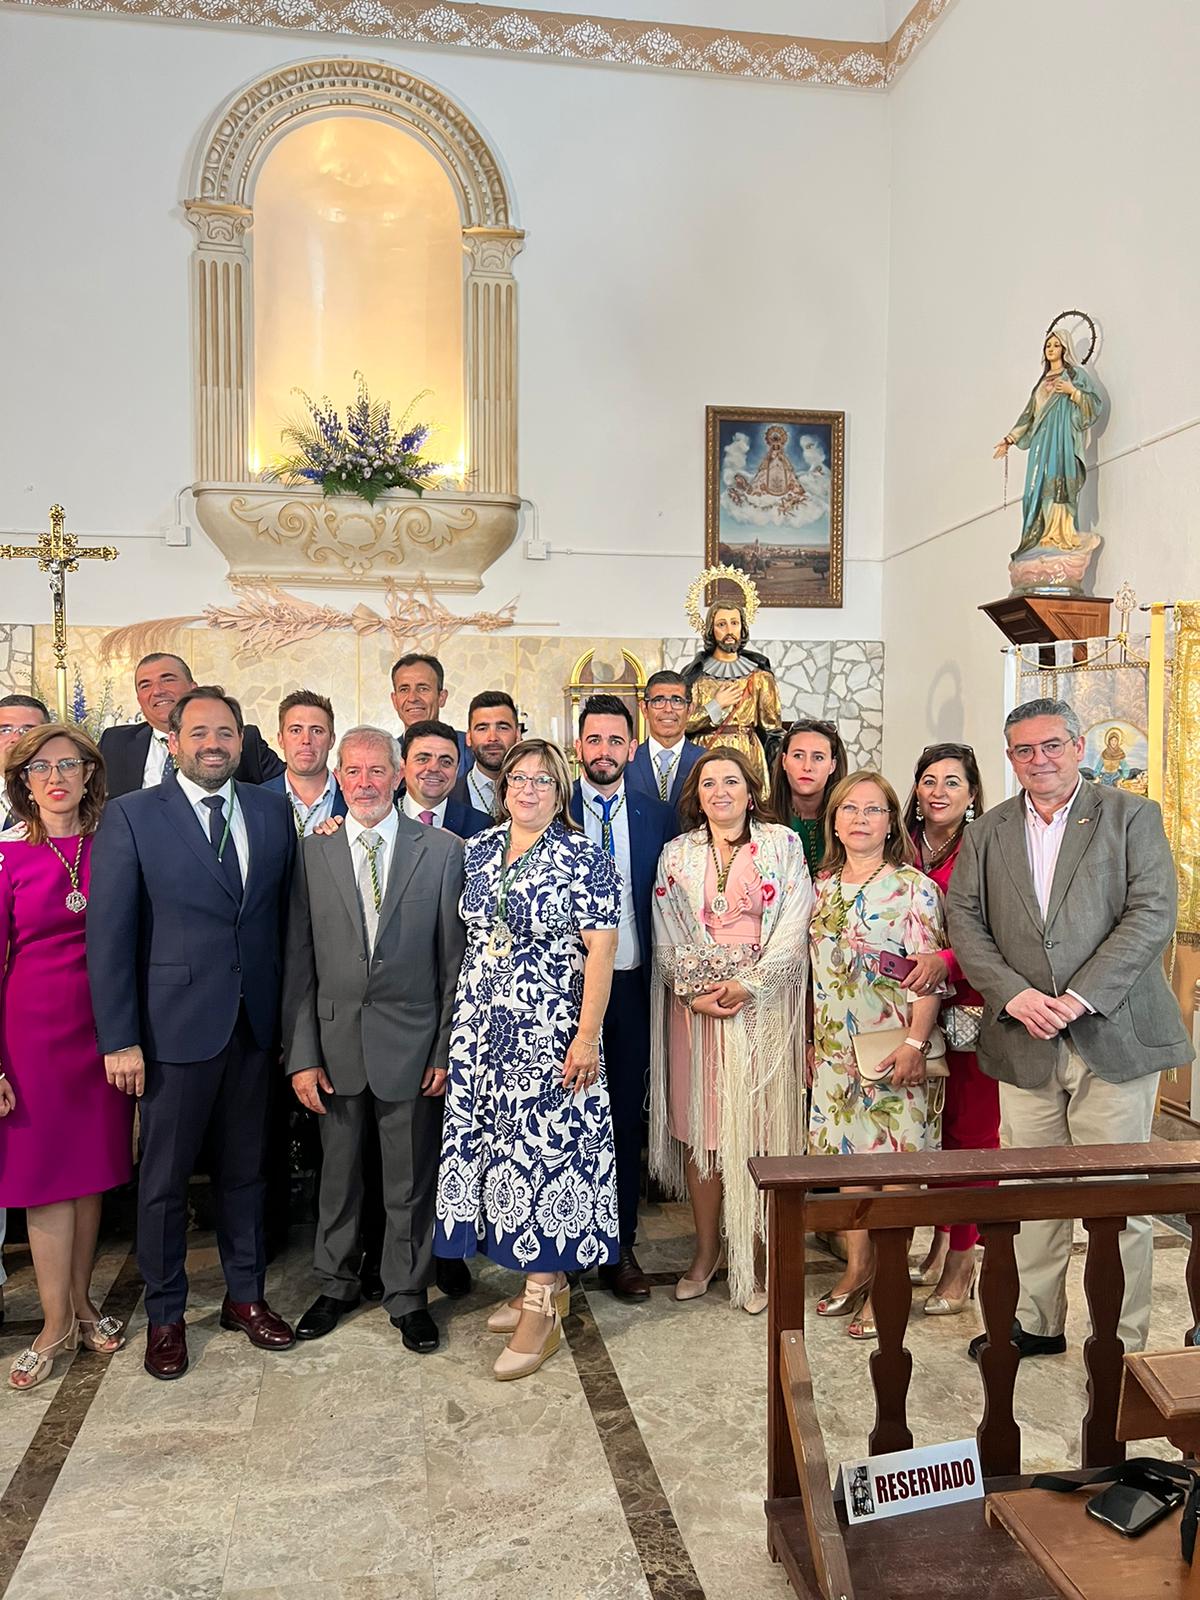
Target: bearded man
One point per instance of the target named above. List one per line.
(735, 699)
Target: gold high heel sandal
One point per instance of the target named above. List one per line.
(104, 1331)
(512, 1363)
(861, 1327)
(37, 1365)
(941, 1305)
(841, 1305)
(505, 1317)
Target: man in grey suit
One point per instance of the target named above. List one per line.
(373, 951)
(1059, 910)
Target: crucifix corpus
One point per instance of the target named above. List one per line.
(57, 553)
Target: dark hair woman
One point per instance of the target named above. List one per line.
(810, 764)
(947, 794)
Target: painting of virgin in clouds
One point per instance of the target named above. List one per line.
(774, 501)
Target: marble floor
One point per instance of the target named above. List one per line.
(630, 1466)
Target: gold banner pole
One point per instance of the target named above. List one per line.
(1156, 713)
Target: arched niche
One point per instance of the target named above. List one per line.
(292, 535)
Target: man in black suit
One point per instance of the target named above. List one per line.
(136, 754)
(493, 727)
(633, 828)
(189, 892)
(430, 767)
(18, 714)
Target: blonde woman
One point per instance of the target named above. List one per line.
(527, 1171)
(731, 910)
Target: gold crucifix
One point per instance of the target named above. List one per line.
(57, 553)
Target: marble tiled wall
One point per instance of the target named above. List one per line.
(839, 679)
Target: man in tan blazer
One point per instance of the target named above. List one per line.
(1059, 910)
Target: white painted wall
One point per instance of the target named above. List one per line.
(690, 241)
(1043, 157)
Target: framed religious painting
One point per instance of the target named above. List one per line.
(774, 501)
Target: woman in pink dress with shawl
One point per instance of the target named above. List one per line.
(65, 1131)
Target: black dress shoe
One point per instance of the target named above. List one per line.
(624, 1277)
(453, 1278)
(418, 1330)
(369, 1281)
(1028, 1344)
(323, 1316)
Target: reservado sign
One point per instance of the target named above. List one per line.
(912, 1480)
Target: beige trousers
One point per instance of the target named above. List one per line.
(1075, 1107)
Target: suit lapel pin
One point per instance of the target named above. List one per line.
(1083, 821)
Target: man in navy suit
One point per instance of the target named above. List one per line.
(430, 751)
(663, 762)
(493, 727)
(136, 754)
(418, 695)
(633, 828)
(189, 895)
(306, 737)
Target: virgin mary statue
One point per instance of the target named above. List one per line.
(1062, 406)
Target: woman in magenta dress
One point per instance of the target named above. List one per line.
(947, 795)
(65, 1131)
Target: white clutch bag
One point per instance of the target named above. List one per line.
(872, 1049)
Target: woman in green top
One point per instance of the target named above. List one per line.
(810, 764)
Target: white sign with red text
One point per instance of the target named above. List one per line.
(912, 1480)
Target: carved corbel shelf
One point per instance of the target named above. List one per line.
(287, 536)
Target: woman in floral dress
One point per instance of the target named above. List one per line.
(870, 899)
(527, 1171)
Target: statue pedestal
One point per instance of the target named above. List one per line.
(1046, 619)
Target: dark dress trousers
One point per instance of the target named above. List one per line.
(126, 747)
(641, 775)
(375, 1019)
(626, 1028)
(183, 967)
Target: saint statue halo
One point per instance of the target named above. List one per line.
(697, 601)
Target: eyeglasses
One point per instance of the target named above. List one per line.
(541, 781)
(1050, 748)
(65, 769)
(868, 813)
(966, 749)
(9, 728)
(659, 701)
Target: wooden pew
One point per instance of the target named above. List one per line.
(950, 1553)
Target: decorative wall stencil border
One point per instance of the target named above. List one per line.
(609, 41)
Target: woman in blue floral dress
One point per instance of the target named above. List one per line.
(527, 1172)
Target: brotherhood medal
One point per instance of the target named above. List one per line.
(76, 900)
(500, 940)
(720, 901)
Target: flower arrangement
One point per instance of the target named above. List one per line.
(364, 456)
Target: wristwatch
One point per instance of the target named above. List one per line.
(918, 1044)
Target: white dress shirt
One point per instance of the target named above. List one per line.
(414, 805)
(307, 819)
(674, 751)
(156, 760)
(386, 829)
(237, 825)
(481, 791)
(1043, 842)
(629, 953)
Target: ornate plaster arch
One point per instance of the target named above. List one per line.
(236, 142)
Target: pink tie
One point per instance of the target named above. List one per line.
(426, 817)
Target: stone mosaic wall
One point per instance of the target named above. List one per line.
(840, 680)
(16, 658)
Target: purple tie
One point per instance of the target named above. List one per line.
(426, 817)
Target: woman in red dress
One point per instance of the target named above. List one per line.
(65, 1131)
(947, 795)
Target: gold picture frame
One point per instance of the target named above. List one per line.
(774, 494)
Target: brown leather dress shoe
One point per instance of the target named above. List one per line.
(166, 1350)
(262, 1326)
(625, 1277)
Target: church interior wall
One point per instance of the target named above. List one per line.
(1041, 159)
(689, 241)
